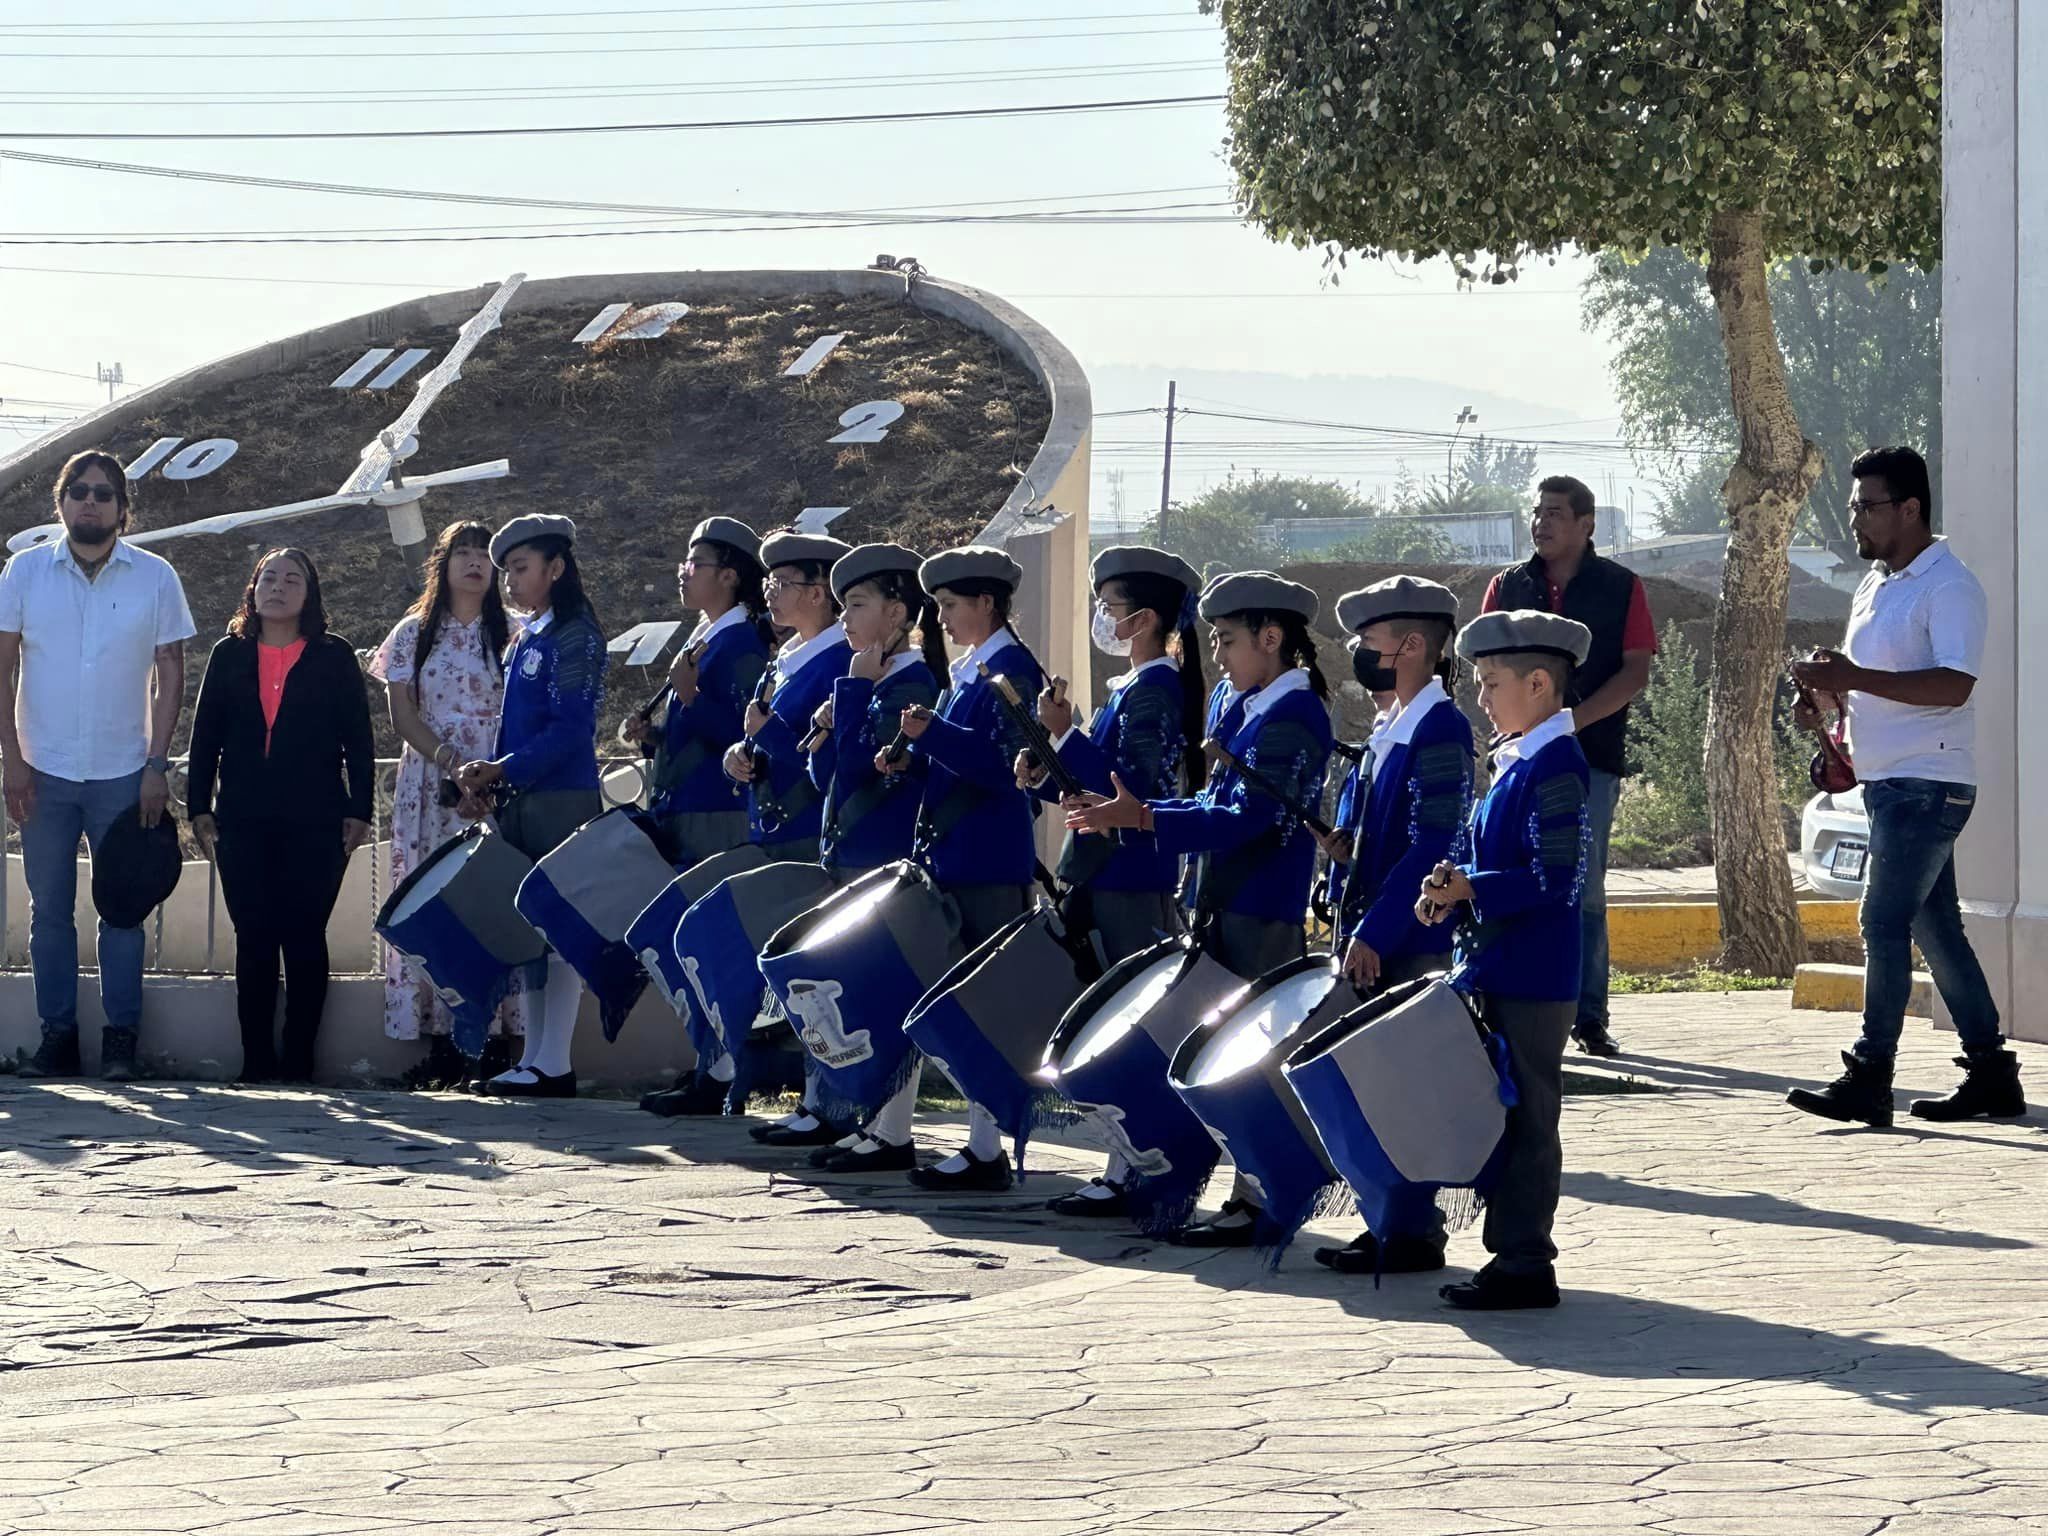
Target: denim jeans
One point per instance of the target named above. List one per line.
(66, 810)
(1909, 896)
(1603, 790)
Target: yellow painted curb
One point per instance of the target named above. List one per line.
(1839, 989)
(1668, 935)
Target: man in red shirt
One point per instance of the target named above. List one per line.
(1565, 576)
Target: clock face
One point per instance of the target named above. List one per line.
(638, 418)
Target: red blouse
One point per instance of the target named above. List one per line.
(274, 664)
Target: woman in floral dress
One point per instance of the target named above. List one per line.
(443, 669)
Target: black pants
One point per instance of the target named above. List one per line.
(280, 879)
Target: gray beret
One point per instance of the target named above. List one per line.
(525, 529)
(1398, 597)
(788, 548)
(866, 560)
(728, 530)
(1142, 560)
(970, 562)
(1258, 592)
(1525, 630)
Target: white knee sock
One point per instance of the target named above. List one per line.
(725, 1069)
(560, 1001)
(891, 1122)
(984, 1136)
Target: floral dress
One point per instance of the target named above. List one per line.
(460, 697)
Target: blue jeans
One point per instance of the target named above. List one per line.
(1602, 791)
(1909, 897)
(66, 810)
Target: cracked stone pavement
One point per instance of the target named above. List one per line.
(302, 1314)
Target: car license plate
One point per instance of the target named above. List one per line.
(1847, 863)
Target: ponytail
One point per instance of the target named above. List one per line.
(901, 587)
(747, 591)
(1297, 645)
(1175, 606)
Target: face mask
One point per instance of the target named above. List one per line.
(1371, 670)
(1102, 630)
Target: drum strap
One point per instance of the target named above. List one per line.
(842, 819)
(778, 810)
(933, 825)
(672, 769)
(1222, 878)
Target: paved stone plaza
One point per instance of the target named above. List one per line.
(296, 1314)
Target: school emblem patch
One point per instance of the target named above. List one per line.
(531, 665)
(814, 1006)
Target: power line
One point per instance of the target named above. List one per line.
(1052, 109)
(228, 277)
(61, 373)
(383, 21)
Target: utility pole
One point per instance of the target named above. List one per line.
(1166, 474)
(111, 377)
(1466, 417)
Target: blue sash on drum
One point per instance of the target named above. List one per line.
(454, 920)
(718, 946)
(1409, 1094)
(652, 934)
(584, 895)
(847, 974)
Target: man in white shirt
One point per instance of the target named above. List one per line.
(92, 667)
(1904, 677)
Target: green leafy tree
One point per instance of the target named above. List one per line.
(1494, 131)
(1264, 497)
(1509, 466)
(1862, 360)
(1692, 503)
(1208, 533)
(1397, 540)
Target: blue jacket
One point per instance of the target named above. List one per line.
(695, 736)
(1527, 864)
(789, 800)
(554, 688)
(1138, 736)
(1288, 744)
(882, 825)
(971, 750)
(1410, 821)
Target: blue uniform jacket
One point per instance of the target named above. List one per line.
(971, 747)
(1410, 821)
(1527, 864)
(1288, 744)
(696, 735)
(1138, 736)
(865, 719)
(789, 799)
(554, 688)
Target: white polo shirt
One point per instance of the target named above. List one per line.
(87, 651)
(1931, 614)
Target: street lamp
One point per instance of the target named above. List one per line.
(1466, 416)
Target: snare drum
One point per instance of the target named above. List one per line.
(454, 920)
(1110, 1055)
(583, 896)
(1408, 1089)
(1228, 1072)
(987, 1022)
(847, 974)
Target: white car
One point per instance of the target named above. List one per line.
(1834, 843)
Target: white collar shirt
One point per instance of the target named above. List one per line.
(1287, 682)
(1397, 727)
(1932, 614)
(88, 651)
(708, 629)
(967, 668)
(795, 653)
(1116, 686)
(1529, 743)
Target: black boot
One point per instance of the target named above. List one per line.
(1595, 1039)
(1863, 1092)
(1990, 1089)
(118, 1052)
(57, 1056)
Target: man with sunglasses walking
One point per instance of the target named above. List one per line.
(92, 671)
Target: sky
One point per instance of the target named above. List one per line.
(1130, 299)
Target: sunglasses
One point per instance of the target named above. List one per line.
(99, 493)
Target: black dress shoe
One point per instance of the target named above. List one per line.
(1116, 1203)
(1220, 1230)
(1595, 1039)
(823, 1134)
(544, 1086)
(1367, 1255)
(983, 1174)
(1492, 1291)
(821, 1156)
(881, 1158)
(704, 1096)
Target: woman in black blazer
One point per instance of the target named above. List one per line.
(283, 767)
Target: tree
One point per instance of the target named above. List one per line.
(1265, 497)
(1495, 131)
(1397, 541)
(1510, 466)
(1208, 533)
(1862, 360)
(1692, 503)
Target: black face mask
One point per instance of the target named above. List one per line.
(1371, 670)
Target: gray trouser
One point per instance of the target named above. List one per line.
(1129, 922)
(1520, 1213)
(696, 835)
(985, 908)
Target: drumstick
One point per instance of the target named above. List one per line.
(1037, 739)
(661, 696)
(819, 731)
(1216, 752)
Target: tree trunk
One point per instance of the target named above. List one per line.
(1770, 482)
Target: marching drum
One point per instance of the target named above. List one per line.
(987, 1022)
(584, 895)
(847, 974)
(719, 941)
(652, 935)
(454, 919)
(1110, 1055)
(1407, 1089)
(1228, 1073)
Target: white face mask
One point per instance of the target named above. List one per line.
(1102, 630)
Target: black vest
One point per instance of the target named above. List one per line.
(1598, 598)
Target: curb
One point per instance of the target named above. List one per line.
(1666, 935)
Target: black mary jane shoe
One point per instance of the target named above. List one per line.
(1492, 1291)
(881, 1158)
(823, 1134)
(703, 1095)
(1116, 1203)
(987, 1175)
(544, 1086)
(822, 1156)
(1366, 1255)
(1219, 1232)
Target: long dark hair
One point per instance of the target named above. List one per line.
(1297, 645)
(248, 625)
(901, 587)
(748, 575)
(987, 586)
(1169, 599)
(432, 606)
(566, 598)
